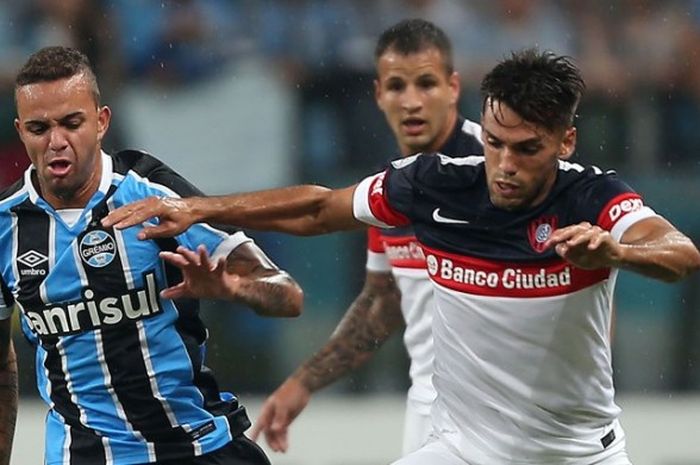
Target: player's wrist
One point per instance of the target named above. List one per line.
(198, 208)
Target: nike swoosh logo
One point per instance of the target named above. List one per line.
(441, 219)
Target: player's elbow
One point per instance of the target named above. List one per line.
(295, 300)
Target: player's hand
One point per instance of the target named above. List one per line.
(201, 278)
(586, 246)
(278, 412)
(175, 215)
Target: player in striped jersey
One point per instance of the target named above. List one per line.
(417, 89)
(120, 365)
(523, 249)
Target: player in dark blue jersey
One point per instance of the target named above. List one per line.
(120, 365)
(523, 249)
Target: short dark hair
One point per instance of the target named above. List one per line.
(541, 87)
(415, 35)
(54, 63)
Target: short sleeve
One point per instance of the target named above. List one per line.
(612, 204)
(385, 199)
(376, 256)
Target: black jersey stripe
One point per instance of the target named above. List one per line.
(123, 346)
(32, 258)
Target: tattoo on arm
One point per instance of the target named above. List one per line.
(371, 319)
(8, 391)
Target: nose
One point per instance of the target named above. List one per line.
(411, 101)
(57, 140)
(506, 162)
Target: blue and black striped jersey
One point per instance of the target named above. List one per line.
(120, 368)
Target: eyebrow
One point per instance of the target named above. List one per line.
(532, 140)
(63, 118)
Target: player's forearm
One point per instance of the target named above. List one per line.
(368, 323)
(8, 403)
(670, 257)
(274, 295)
(294, 210)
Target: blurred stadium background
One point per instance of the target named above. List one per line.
(241, 94)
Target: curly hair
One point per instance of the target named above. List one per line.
(415, 35)
(541, 87)
(54, 63)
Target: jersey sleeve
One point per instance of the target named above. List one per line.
(6, 301)
(376, 256)
(219, 240)
(613, 205)
(385, 199)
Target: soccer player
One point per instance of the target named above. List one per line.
(523, 248)
(417, 88)
(120, 367)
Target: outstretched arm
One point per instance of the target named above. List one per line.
(652, 247)
(247, 275)
(8, 391)
(301, 210)
(371, 319)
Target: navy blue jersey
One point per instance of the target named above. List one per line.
(120, 368)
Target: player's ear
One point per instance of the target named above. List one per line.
(568, 144)
(455, 87)
(378, 94)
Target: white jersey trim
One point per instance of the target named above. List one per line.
(629, 219)
(229, 244)
(360, 203)
(471, 160)
(472, 128)
(378, 262)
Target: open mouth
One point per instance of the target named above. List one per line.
(59, 168)
(414, 126)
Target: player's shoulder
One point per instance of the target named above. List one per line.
(432, 168)
(139, 162)
(12, 195)
(586, 176)
(465, 139)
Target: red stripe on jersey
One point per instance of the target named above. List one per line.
(379, 204)
(374, 240)
(619, 207)
(404, 252)
(492, 278)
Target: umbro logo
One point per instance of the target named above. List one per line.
(32, 259)
(438, 218)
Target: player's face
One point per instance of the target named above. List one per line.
(418, 98)
(62, 129)
(521, 157)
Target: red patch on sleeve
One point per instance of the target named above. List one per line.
(619, 207)
(374, 240)
(379, 204)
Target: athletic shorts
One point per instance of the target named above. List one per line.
(240, 451)
(438, 452)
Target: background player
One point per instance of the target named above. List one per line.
(120, 368)
(417, 89)
(523, 249)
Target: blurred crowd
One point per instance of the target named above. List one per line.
(640, 59)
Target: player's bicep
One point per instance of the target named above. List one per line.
(386, 309)
(647, 230)
(336, 213)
